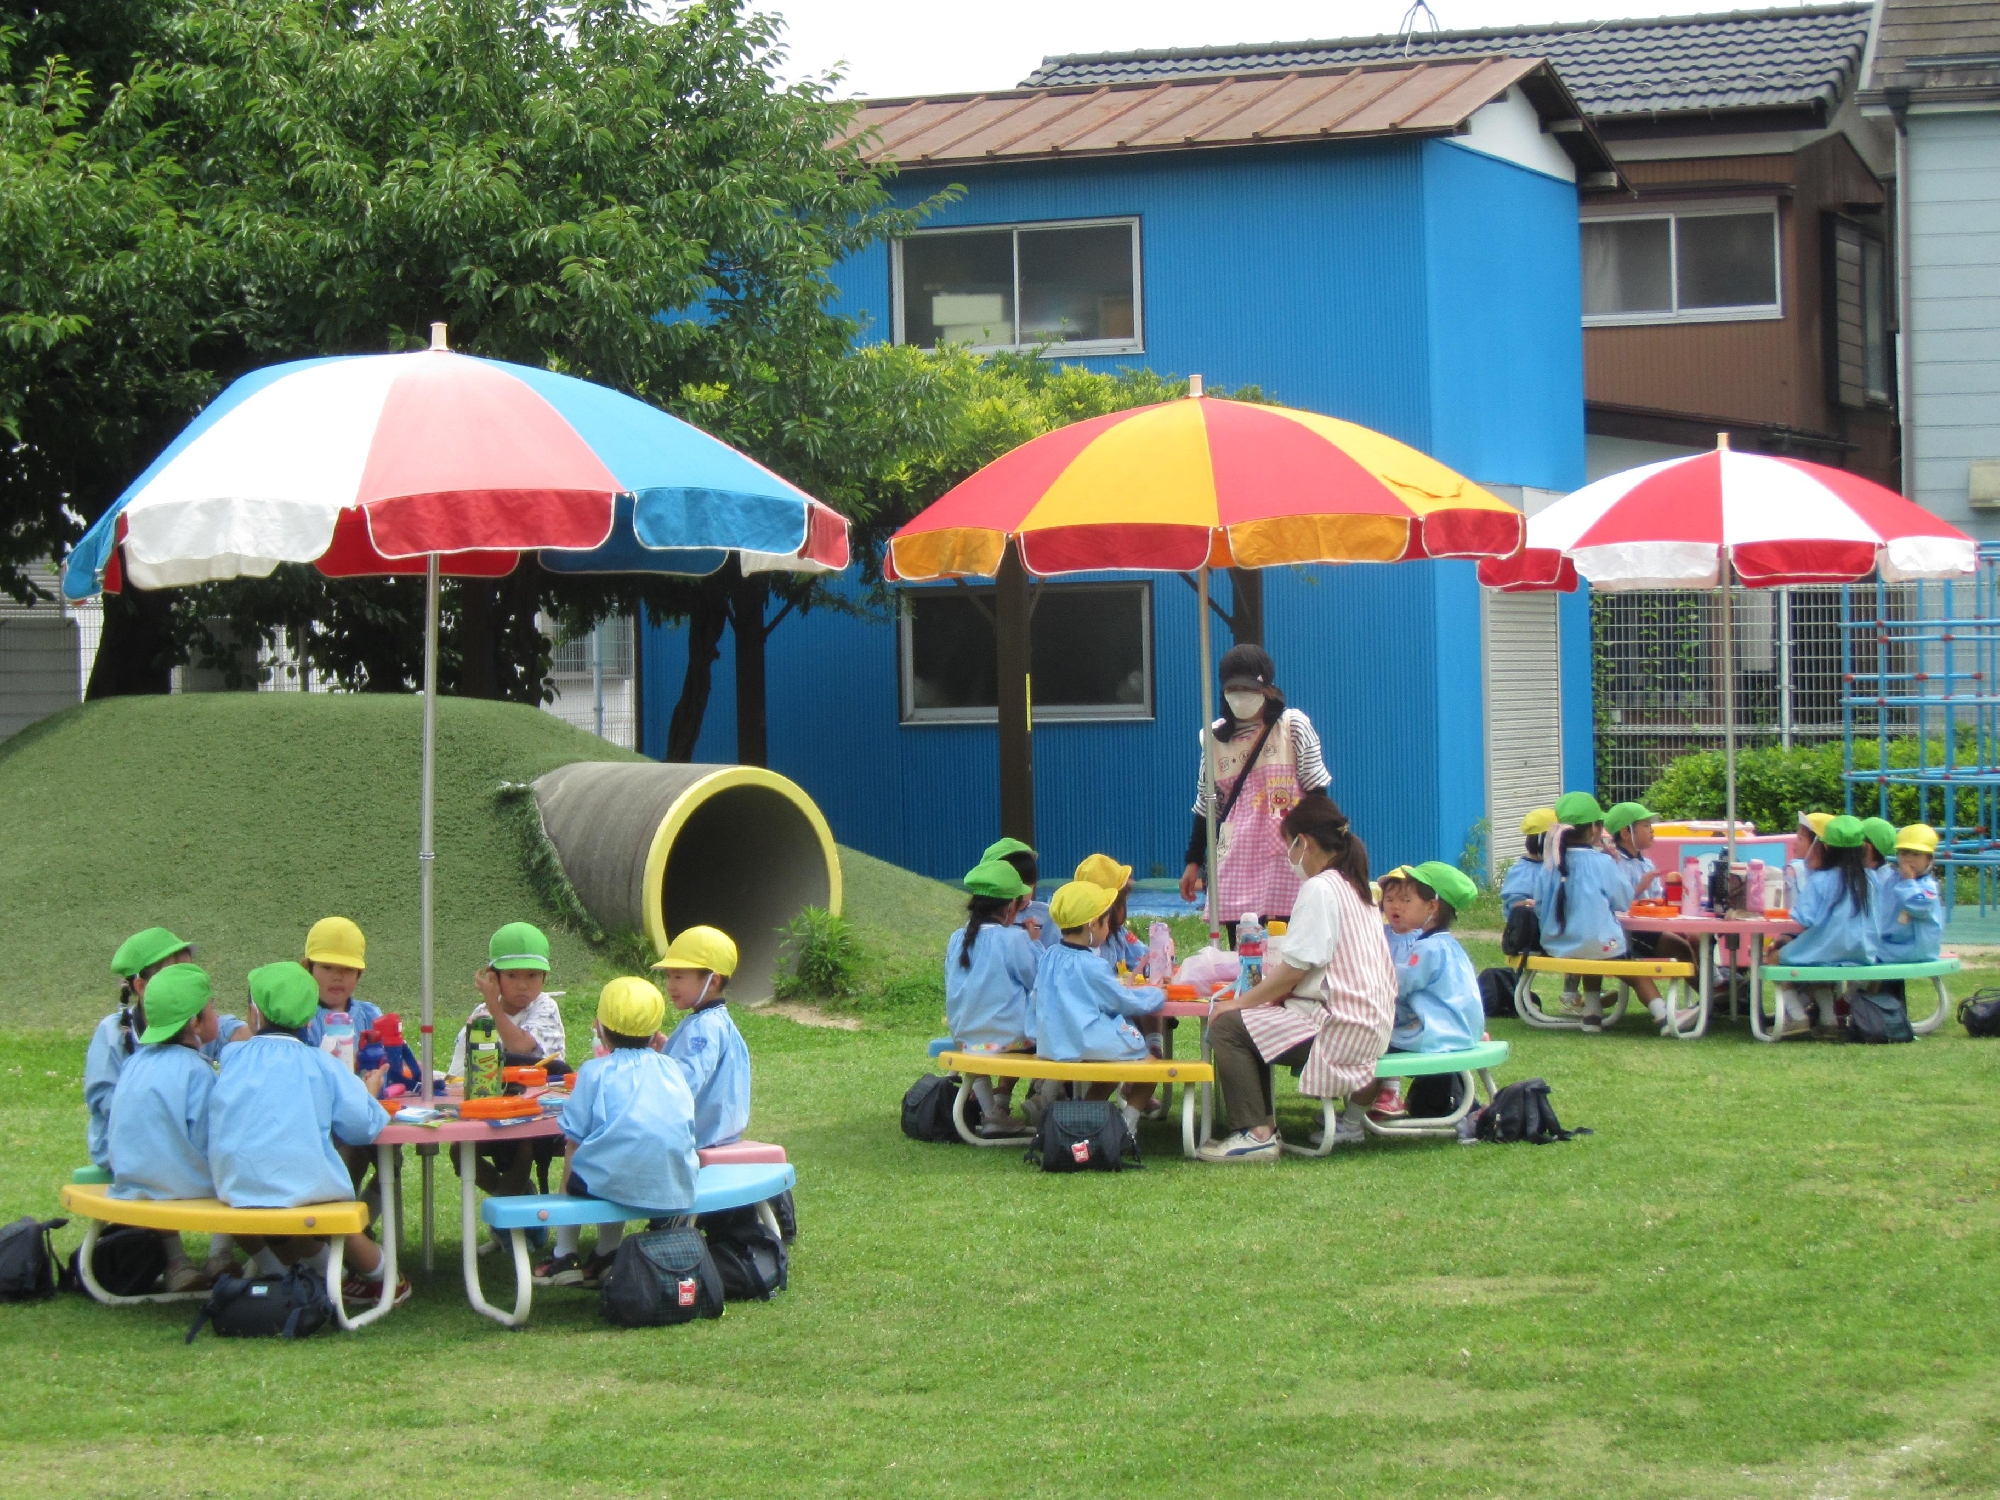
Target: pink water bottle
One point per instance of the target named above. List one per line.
(1691, 887)
(1756, 896)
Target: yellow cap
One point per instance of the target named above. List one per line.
(1401, 872)
(1816, 822)
(1541, 820)
(631, 1007)
(1080, 903)
(336, 940)
(1918, 838)
(701, 948)
(1102, 869)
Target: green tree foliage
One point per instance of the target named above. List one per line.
(1775, 785)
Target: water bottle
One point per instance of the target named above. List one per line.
(1249, 953)
(336, 1038)
(1757, 899)
(482, 1059)
(1791, 885)
(1159, 954)
(1690, 887)
(372, 1054)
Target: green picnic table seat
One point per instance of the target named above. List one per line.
(1935, 970)
(1474, 1064)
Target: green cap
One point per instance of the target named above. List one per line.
(1844, 832)
(995, 878)
(519, 945)
(1450, 882)
(1882, 834)
(142, 950)
(1621, 816)
(174, 997)
(1001, 848)
(1578, 808)
(285, 994)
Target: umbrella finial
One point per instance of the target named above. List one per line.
(437, 337)
(1722, 442)
(1194, 385)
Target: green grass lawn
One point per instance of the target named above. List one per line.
(1769, 1273)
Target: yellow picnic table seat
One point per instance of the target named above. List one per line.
(1674, 974)
(971, 1065)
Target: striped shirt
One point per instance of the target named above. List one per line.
(1308, 761)
(1341, 938)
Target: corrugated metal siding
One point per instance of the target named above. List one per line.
(1524, 766)
(38, 669)
(1953, 198)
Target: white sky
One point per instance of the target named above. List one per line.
(890, 47)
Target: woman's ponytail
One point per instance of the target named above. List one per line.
(1319, 818)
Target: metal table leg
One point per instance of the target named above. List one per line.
(524, 1279)
(386, 1178)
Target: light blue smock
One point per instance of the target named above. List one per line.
(1835, 933)
(110, 1045)
(1438, 1008)
(362, 1013)
(1518, 884)
(989, 1007)
(1912, 920)
(631, 1115)
(271, 1122)
(1123, 948)
(1640, 872)
(1039, 910)
(712, 1054)
(159, 1124)
(1401, 944)
(1595, 890)
(1080, 1009)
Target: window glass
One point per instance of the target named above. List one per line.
(950, 672)
(1627, 266)
(959, 289)
(1874, 319)
(1727, 260)
(1076, 284)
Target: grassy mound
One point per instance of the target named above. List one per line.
(238, 819)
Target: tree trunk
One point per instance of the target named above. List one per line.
(1246, 606)
(1017, 741)
(135, 654)
(639, 679)
(704, 644)
(478, 624)
(749, 601)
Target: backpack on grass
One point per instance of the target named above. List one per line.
(292, 1306)
(1876, 1016)
(1083, 1135)
(660, 1277)
(127, 1262)
(927, 1108)
(1979, 1013)
(750, 1259)
(27, 1263)
(1522, 935)
(1496, 991)
(1522, 1112)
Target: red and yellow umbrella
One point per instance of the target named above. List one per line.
(1199, 483)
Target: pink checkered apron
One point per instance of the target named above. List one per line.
(1350, 1029)
(1251, 871)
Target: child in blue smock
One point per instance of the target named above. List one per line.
(1837, 908)
(1082, 1013)
(1912, 912)
(1438, 1008)
(1578, 897)
(277, 1110)
(1033, 917)
(706, 1043)
(1518, 884)
(629, 1128)
(989, 984)
(337, 957)
(1121, 945)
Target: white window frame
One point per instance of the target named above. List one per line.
(906, 678)
(1673, 212)
(1072, 349)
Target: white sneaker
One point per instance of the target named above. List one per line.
(1131, 1120)
(1347, 1131)
(1239, 1146)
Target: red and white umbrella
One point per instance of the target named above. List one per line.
(1716, 518)
(1780, 522)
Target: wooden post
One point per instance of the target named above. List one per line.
(748, 601)
(1017, 749)
(1246, 606)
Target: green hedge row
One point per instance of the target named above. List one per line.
(1774, 785)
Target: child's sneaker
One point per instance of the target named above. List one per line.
(1000, 1127)
(187, 1277)
(596, 1269)
(1388, 1106)
(1571, 1003)
(1347, 1132)
(559, 1270)
(1241, 1146)
(1592, 1013)
(366, 1291)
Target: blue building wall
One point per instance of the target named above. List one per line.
(1416, 287)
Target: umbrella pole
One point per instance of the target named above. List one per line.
(1208, 745)
(1728, 718)
(426, 864)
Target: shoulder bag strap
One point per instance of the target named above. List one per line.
(1229, 806)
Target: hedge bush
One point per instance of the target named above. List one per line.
(1775, 785)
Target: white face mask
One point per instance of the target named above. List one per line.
(1295, 857)
(1245, 706)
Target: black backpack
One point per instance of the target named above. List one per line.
(787, 1214)
(1522, 935)
(1083, 1135)
(1496, 991)
(927, 1108)
(27, 1262)
(292, 1306)
(1522, 1112)
(1877, 1016)
(749, 1257)
(660, 1277)
(1979, 1013)
(127, 1262)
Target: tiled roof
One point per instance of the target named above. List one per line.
(1769, 59)
(1938, 47)
(1401, 99)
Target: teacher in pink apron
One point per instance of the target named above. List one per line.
(1267, 756)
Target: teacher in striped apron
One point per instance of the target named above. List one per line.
(1327, 1000)
(1267, 756)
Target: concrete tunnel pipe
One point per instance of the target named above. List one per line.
(657, 848)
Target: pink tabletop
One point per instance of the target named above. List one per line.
(1195, 1008)
(1742, 926)
(465, 1130)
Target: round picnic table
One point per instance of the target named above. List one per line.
(1743, 940)
(1201, 1011)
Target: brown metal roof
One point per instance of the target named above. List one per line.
(1435, 97)
(1938, 49)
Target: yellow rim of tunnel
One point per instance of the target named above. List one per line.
(683, 808)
